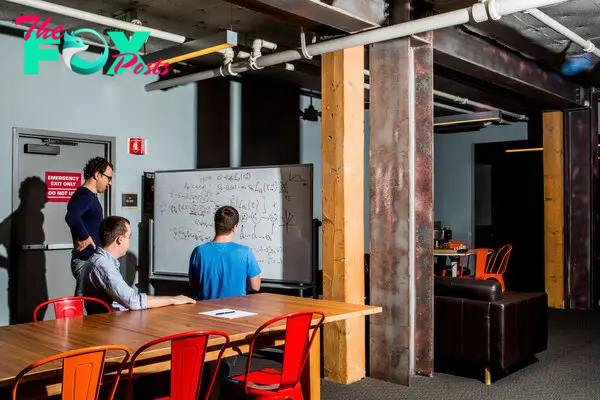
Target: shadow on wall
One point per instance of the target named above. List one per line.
(128, 268)
(27, 285)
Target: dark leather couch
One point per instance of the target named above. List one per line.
(479, 328)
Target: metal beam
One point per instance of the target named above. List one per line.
(401, 162)
(347, 16)
(581, 179)
(595, 111)
(467, 54)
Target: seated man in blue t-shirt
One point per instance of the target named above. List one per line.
(222, 268)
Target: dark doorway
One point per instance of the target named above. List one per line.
(509, 209)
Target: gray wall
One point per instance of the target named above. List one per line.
(310, 152)
(454, 175)
(60, 100)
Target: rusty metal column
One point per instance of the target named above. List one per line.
(595, 206)
(401, 259)
(581, 212)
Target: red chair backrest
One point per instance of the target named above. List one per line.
(483, 259)
(82, 372)
(188, 350)
(298, 341)
(67, 307)
(498, 266)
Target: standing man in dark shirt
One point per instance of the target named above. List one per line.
(84, 214)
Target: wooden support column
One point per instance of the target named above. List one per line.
(554, 214)
(401, 257)
(343, 207)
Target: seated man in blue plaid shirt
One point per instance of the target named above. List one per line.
(102, 277)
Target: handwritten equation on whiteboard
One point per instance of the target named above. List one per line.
(267, 201)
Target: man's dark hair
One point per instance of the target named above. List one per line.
(96, 164)
(111, 228)
(226, 218)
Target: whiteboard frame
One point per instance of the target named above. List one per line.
(173, 276)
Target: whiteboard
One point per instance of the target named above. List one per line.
(275, 207)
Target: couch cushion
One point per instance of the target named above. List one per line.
(474, 289)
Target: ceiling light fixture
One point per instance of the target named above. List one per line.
(524, 150)
(193, 48)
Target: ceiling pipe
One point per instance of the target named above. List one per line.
(463, 100)
(500, 8)
(98, 19)
(477, 13)
(452, 108)
(587, 45)
(12, 25)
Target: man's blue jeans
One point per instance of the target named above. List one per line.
(77, 270)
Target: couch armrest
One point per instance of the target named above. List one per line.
(519, 328)
(462, 331)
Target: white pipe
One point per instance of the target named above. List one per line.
(451, 108)
(360, 39)
(259, 44)
(477, 13)
(498, 8)
(463, 100)
(563, 30)
(98, 19)
(12, 25)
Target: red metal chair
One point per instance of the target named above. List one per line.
(67, 307)
(82, 372)
(496, 269)
(483, 258)
(285, 384)
(188, 351)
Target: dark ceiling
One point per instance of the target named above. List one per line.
(532, 39)
(197, 18)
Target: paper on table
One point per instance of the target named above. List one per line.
(227, 313)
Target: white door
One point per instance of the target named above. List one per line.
(48, 167)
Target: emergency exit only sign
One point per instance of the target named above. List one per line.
(61, 185)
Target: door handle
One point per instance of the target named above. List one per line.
(42, 246)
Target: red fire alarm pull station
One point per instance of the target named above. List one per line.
(137, 146)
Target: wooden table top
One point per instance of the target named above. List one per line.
(452, 253)
(24, 344)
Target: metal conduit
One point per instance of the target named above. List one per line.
(462, 100)
(12, 25)
(451, 108)
(587, 45)
(98, 19)
(477, 13)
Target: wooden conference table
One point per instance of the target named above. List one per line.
(24, 344)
